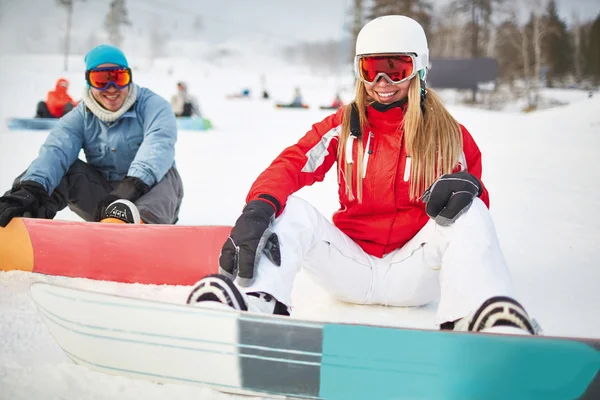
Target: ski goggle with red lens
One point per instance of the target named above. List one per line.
(103, 78)
(396, 68)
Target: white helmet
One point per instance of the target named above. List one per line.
(394, 34)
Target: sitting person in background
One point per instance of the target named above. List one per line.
(58, 102)
(298, 100)
(337, 102)
(263, 84)
(243, 94)
(184, 104)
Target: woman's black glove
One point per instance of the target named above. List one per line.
(250, 237)
(450, 196)
(25, 197)
(130, 188)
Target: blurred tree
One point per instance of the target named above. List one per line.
(537, 29)
(592, 51)
(508, 50)
(357, 23)
(576, 36)
(157, 40)
(480, 14)
(116, 18)
(419, 10)
(68, 5)
(198, 25)
(556, 46)
(447, 32)
(477, 30)
(515, 52)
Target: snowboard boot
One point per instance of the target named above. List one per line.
(497, 315)
(218, 291)
(121, 212)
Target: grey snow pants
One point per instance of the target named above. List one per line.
(82, 188)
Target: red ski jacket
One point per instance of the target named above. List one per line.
(58, 98)
(387, 218)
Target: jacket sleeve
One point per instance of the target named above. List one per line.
(157, 151)
(299, 165)
(59, 151)
(473, 160)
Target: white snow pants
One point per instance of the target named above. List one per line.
(461, 265)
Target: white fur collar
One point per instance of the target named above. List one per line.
(102, 113)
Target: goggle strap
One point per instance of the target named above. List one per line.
(423, 94)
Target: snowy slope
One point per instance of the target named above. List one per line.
(540, 169)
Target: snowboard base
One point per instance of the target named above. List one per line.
(282, 356)
(31, 124)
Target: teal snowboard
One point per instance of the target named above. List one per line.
(250, 353)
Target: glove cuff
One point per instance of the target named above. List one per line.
(139, 184)
(272, 200)
(477, 183)
(131, 188)
(263, 206)
(35, 188)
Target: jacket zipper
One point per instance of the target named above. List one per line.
(367, 153)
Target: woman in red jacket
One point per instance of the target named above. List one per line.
(58, 102)
(413, 226)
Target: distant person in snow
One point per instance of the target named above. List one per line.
(184, 104)
(337, 101)
(128, 135)
(58, 102)
(413, 225)
(263, 84)
(243, 94)
(298, 99)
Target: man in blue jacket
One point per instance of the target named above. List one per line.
(128, 136)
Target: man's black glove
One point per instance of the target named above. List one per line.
(25, 197)
(450, 196)
(130, 188)
(250, 237)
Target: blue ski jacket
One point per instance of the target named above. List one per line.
(140, 143)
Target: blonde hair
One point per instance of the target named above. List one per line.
(433, 140)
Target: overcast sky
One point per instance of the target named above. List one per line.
(284, 21)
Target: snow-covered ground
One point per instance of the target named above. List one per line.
(540, 168)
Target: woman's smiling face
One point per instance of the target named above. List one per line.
(385, 92)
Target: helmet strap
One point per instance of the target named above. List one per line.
(423, 93)
(355, 128)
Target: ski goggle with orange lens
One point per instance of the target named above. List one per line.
(396, 68)
(102, 78)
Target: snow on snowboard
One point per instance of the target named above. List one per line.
(263, 354)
